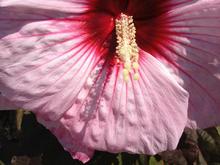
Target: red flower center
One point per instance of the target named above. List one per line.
(150, 19)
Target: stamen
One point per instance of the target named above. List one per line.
(127, 49)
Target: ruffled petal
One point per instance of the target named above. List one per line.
(46, 62)
(144, 116)
(49, 57)
(155, 103)
(188, 40)
(73, 6)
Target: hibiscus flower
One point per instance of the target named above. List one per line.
(113, 75)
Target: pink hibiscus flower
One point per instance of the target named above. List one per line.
(113, 75)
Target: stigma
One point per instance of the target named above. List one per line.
(127, 49)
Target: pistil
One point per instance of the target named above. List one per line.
(127, 49)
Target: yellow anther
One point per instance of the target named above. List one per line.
(127, 48)
(136, 76)
(125, 72)
(135, 65)
(124, 51)
(126, 78)
(127, 66)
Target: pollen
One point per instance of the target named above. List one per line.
(127, 49)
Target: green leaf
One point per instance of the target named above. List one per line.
(1, 163)
(119, 157)
(153, 161)
(143, 160)
(207, 140)
(218, 130)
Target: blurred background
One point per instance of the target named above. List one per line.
(23, 141)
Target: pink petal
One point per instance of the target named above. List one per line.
(145, 116)
(73, 6)
(201, 67)
(46, 60)
(190, 43)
